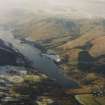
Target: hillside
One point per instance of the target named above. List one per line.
(85, 55)
(41, 26)
(48, 27)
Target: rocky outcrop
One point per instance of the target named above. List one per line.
(9, 55)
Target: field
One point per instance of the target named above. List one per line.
(90, 100)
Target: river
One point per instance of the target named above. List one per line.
(44, 64)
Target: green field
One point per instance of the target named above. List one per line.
(90, 100)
